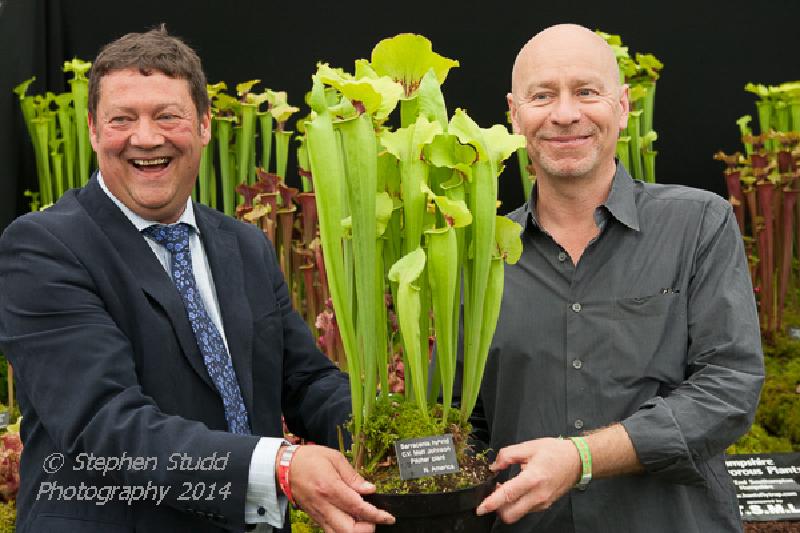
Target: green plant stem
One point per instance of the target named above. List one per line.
(648, 105)
(454, 190)
(58, 174)
(281, 151)
(635, 145)
(482, 203)
(624, 152)
(52, 130)
(764, 108)
(28, 113)
(224, 125)
(40, 126)
(383, 319)
(302, 164)
(782, 116)
(524, 174)
(413, 173)
(794, 112)
(68, 133)
(205, 172)
(265, 122)
(443, 278)
(424, 332)
(745, 131)
(406, 272)
(80, 97)
(360, 157)
(328, 171)
(649, 165)
(409, 109)
(245, 143)
(490, 312)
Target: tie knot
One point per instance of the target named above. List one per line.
(174, 237)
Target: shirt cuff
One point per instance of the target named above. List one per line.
(263, 504)
(658, 440)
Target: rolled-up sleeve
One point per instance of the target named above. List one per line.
(716, 402)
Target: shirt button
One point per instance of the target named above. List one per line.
(562, 256)
(576, 307)
(261, 511)
(579, 424)
(577, 364)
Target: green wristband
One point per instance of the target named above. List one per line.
(586, 462)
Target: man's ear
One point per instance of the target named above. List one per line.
(512, 112)
(625, 107)
(205, 127)
(92, 131)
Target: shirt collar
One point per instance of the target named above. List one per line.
(621, 202)
(141, 223)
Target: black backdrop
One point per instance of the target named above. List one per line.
(710, 50)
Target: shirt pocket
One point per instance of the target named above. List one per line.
(646, 306)
(649, 338)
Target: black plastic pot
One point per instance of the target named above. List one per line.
(440, 512)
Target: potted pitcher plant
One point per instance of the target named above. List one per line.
(407, 204)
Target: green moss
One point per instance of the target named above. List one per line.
(777, 423)
(779, 409)
(8, 517)
(301, 522)
(3, 380)
(757, 440)
(395, 419)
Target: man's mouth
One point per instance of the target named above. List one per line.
(154, 164)
(567, 140)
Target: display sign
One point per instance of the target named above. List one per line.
(426, 456)
(767, 485)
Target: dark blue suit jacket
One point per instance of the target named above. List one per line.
(106, 364)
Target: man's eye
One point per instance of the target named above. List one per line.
(587, 92)
(119, 120)
(540, 97)
(167, 116)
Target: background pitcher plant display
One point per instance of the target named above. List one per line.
(762, 183)
(60, 136)
(407, 211)
(762, 188)
(635, 144)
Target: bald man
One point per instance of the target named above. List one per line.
(627, 355)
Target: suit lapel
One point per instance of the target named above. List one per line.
(225, 260)
(145, 267)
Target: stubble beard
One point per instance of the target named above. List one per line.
(565, 168)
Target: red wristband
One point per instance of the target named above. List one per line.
(284, 463)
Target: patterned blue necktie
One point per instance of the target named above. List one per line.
(175, 238)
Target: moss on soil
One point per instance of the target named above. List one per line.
(395, 419)
(777, 424)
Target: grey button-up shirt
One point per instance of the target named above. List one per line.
(656, 328)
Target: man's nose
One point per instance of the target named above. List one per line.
(146, 134)
(566, 111)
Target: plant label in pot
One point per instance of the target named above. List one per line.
(426, 456)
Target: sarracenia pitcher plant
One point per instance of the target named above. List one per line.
(409, 212)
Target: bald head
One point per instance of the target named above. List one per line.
(566, 98)
(565, 44)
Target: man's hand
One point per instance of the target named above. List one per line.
(550, 467)
(326, 487)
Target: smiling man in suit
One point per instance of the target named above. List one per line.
(152, 338)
